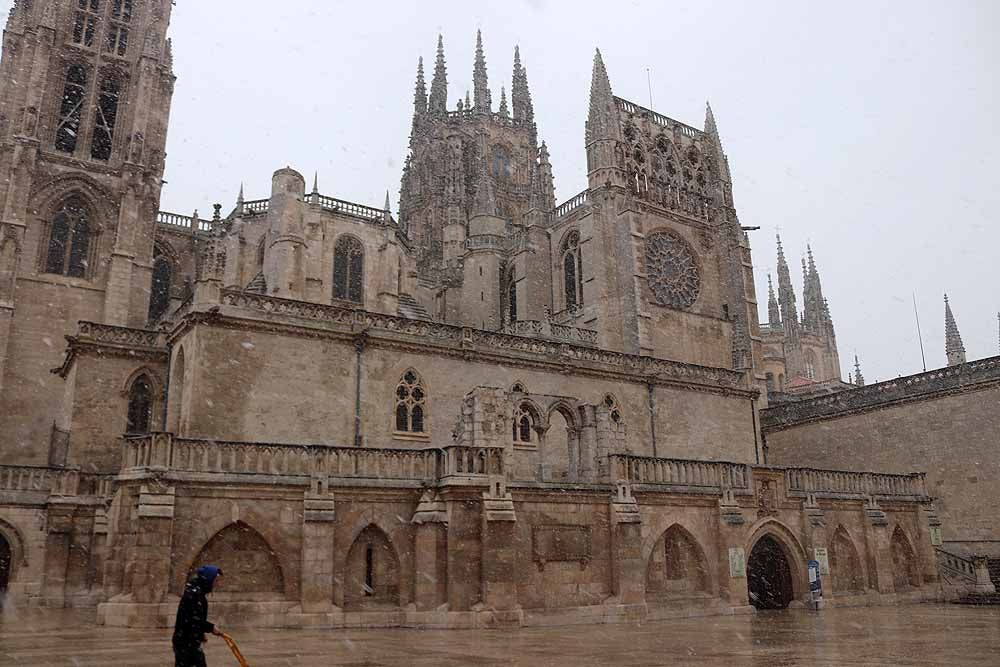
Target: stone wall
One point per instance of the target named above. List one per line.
(942, 422)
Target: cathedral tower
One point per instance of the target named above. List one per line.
(442, 172)
(85, 91)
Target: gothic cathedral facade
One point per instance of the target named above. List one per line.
(490, 409)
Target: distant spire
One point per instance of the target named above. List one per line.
(468, 102)
(786, 294)
(239, 200)
(438, 100)
(546, 182)
(773, 312)
(504, 111)
(859, 379)
(420, 90)
(520, 95)
(602, 119)
(387, 206)
(483, 102)
(953, 346)
(710, 127)
(315, 183)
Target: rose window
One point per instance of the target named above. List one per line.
(671, 270)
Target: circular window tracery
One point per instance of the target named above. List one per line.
(672, 270)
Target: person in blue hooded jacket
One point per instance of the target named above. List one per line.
(192, 618)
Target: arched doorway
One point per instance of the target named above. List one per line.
(769, 575)
(372, 576)
(5, 567)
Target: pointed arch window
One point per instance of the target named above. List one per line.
(85, 22)
(348, 270)
(411, 404)
(509, 292)
(140, 406)
(105, 118)
(159, 291)
(69, 241)
(71, 111)
(572, 271)
(118, 32)
(523, 424)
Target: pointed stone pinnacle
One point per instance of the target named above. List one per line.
(387, 205)
(315, 190)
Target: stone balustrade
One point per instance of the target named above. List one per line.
(840, 482)
(710, 476)
(658, 118)
(569, 206)
(163, 451)
(183, 221)
(41, 480)
(471, 462)
(956, 567)
(106, 334)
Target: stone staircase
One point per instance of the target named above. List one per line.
(961, 571)
(411, 308)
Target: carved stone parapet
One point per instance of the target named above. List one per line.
(624, 506)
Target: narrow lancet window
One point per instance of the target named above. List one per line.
(71, 111)
(105, 117)
(348, 270)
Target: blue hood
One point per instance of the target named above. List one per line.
(208, 573)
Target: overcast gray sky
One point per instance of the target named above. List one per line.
(863, 128)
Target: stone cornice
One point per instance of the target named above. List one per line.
(257, 312)
(971, 376)
(106, 339)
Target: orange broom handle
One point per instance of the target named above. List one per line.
(236, 651)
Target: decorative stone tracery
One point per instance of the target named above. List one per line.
(672, 270)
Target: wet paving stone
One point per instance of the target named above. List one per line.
(909, 635)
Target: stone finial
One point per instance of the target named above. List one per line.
(504, 111)
(437, 102)
(859, 379)
(315, 189)
(786, 293)
(953, 346)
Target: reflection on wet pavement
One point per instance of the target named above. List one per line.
(910, 635)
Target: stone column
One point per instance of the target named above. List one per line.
(430, 587)
(732, 558)
(59, 523)
(879, 552)
(816, 540)
(928, 538)
(628, 572)
(983, 582)
(318, 526)
(588, 444)
(150, 558)
(499, 558)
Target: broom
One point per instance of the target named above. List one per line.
(235, 649)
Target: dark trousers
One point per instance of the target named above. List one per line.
(188, 656)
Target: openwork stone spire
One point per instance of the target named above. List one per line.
(773, 312)
(786, 294)
(816, 316)
(520, 95)
(953, 346)
(420, 90)
(504, 111)
(602, 119)
(481, 87)
(438, 100)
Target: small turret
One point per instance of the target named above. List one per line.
(504, 111)
(283, 266)
(859, 379)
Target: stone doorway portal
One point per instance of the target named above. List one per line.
(5, 565)
(769, 576)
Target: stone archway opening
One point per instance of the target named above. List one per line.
(372, 577)
(6, 564)
(769, 575)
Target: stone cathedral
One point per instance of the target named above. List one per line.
(490, 409)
